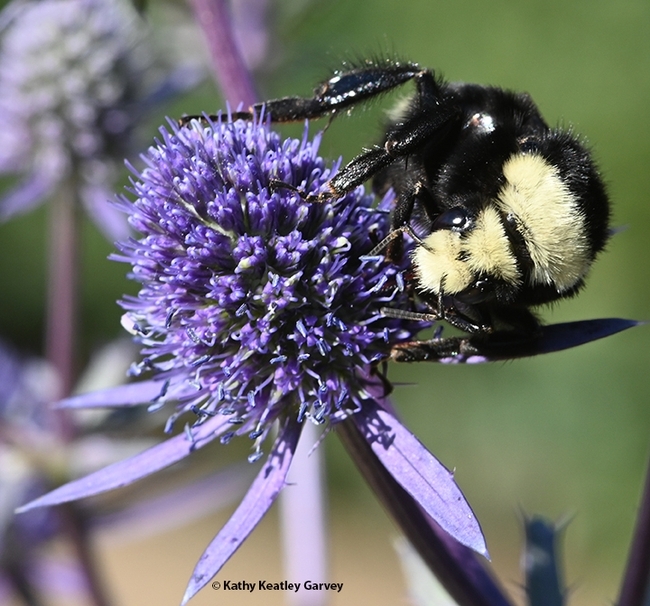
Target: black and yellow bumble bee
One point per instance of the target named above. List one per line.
(506, 212)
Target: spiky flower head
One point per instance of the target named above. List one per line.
(72, 73)
(255, 303)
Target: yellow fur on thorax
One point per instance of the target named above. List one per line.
(547, 216)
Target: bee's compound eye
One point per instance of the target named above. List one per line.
(456, 219)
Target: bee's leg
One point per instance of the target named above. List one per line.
(501, 345)
(401, 141)
(519, 334)
(349, 88)
(343, 90)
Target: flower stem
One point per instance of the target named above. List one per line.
(230, 69)
(75, 526)
(60, 351)
(303, 519)
(62, 305)
(635, 588)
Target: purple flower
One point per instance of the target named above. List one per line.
(72, 76)
(258, 309)
(255, 302)
(25, 420)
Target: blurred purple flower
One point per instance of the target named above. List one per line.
(73, 79)
(258, 309)
(24, 418)
(33, 459)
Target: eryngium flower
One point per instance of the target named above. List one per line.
(254, 303)
(260, 309)
(72, 73)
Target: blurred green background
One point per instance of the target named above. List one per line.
(561, 435)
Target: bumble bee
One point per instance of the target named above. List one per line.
(506, 212)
